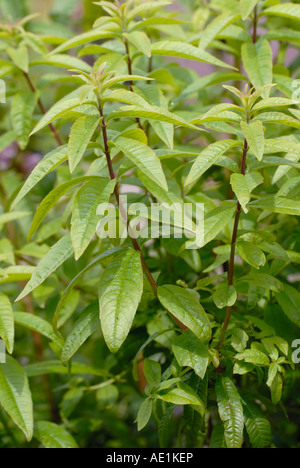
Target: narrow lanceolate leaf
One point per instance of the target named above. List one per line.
(141, 41)
(231, 412)
(44, 167)
(184, 395)
(84, 214)
(254, 134)
(53, 436)
(150, 113)
(64, 61)
(243, 185)
(13, 216)
(208, 158)
(68, 291)
(61, 107)
(50, 200)
(278, 205)
(216, 221)
(273, 102)
(184, 307)
(247, 7)
(144, 158)
(37, 324)
(81, 134)
(7, 330)
(279, 118)
(120, 292)
(184, 50)
(144, 414)
(191, 352)
(215, 27)
(22, 108)
(84, 38)
(257, 425)
(15, 396)
(286, 10)
(55, 257)
(289, 301)
(85, 326)
(257, 59)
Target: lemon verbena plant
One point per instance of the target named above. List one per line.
(149, 243)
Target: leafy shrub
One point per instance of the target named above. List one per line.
(196, 335)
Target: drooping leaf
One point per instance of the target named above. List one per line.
(185, 307)
(7, 330)
(81, 134)
(85, 326)
(191, 352)
(144, 158)
(55, 257)
(231, 412)
(53, 436)
(22, 108)
(15, 396)
(120, 292)
(254, 134)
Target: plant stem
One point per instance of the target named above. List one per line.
(124, 214)
(255, 21)
(43, 110)
(232, 251)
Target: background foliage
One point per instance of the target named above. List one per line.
(196, 102)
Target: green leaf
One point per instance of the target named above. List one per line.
(273, 102)
(52, 197)
(286, 10)
(191, 352)
(37, 324)
(19, 57)
(254, 134)
(7, 139)
(56, 367)
(84, 38)
(144, 414)
(55, 257)
(231, 412)
(7, 331)
(15, 396)
(13, 216)
(150, 113)
(152, 371)
(187, 51)
(276, 389)
(251, 254)
(289, 301)
(85, 326)
(242, 185)
(262, 280)
(215, 221)
(257, 425)
(81, 134)
(247, 7)
(44, 167)
(144, 158)
(218, 437)
(185, 307)
(120, 292)
(279, 118)
(278, 205)
(53, 436)
(208, 158)
(225, 296)
(64, 61)
(140, 41)
(66, 295)
(257, 60)
(22, 108)
(184, 395)
(84, 212)
(253, 356)
(60, 108)
(215, 27)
